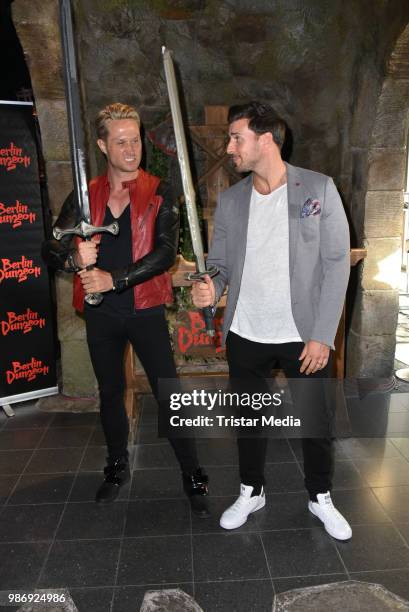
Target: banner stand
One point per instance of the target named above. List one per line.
(27, 343)
(23, 397)
(8, 410)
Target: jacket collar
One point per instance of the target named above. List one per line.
(140, 176)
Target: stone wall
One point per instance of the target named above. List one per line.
(326, 68)
(372, 335)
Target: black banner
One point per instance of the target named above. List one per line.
(27, 355)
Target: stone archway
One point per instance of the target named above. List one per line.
(371, 345)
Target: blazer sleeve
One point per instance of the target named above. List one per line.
(218, 251)
(335, 261)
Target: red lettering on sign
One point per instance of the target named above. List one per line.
(16, 215)
(194, 334)
(26, 371)
(19, 270)
(24, 322)
(12, 156)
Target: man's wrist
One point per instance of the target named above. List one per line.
(71, 264)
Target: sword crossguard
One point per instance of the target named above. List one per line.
(86, 230)
(196, 276)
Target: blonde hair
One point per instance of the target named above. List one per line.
(114, 111)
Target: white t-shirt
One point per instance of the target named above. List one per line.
(263, 312)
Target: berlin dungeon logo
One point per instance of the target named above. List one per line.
(26, 371)
(16, 214)
(19, 270)
(12, 156)
(24, 322)
(192, 336)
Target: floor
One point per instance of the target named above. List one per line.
(53, 535)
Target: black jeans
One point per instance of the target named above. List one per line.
(251, 362)
(107, 337)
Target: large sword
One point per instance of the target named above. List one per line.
(84, 229)
(188, 189)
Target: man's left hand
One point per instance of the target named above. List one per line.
(314, 357)
(96, 280)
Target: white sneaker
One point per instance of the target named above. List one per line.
(237, 514)
(334, 522)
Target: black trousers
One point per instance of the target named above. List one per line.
(107, 337)
(251, 362)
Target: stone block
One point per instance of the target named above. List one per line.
(52, 116)
(171, 600)
(376, 313)
(383, 214)
(59, 183)
(391, 123)
(381, 267)
(370, 356)
(77, 374)
(64, 403)
(386, 169)
(37, 26)
(71, 325)
(349, 595)
(398, 62)
(78, 377)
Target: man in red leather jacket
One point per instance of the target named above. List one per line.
(131, 271)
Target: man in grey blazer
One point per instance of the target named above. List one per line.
(281, 244)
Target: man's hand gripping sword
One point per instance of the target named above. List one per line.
(86, 231)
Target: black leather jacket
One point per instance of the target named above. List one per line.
(160, 259)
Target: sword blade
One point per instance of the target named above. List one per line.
(74, 109)
(183, 158)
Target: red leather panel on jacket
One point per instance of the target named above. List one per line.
(144, 209)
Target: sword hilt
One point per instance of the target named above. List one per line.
(197, 276)
(86, 230)
(207, 312)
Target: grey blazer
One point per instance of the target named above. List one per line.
(319, 257)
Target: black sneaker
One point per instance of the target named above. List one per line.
(195, 486)
(116, 475)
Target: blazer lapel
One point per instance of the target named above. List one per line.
(294, 193)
